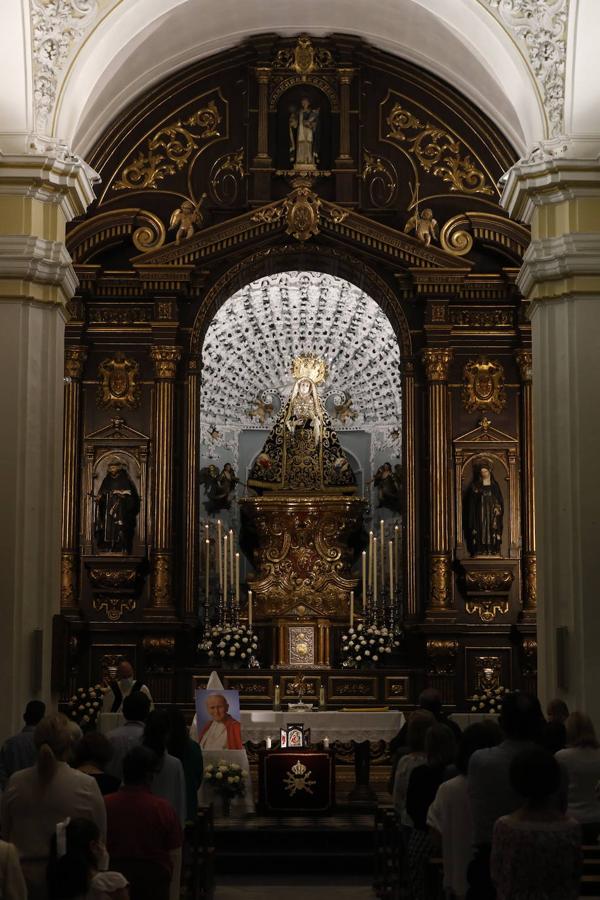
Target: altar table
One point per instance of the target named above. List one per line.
(259, 724)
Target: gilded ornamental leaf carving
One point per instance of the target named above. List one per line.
(437, 151)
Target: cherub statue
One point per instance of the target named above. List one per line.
(260, 410)
(185, 217)
(344, 411)
(424, 226)
(220, 487)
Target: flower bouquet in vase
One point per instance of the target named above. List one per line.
(488, 700)
(366, 646)
(230, 645)
(228, 780)
(85, 705)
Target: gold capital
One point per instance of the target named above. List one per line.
(524, 362)
(165, 360)
(75, 358)
(437, 361)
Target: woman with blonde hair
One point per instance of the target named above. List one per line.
(581, 761)
(48, 792)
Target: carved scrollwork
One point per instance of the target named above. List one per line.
(437, 151)
(114, 607)
(113, 578)
(453, 237)
(304, 58)
(302, 211)
(488, 581)
(118, 386)
(150, 235)
(441, 656)
(487, 609)
(226, 176)
(169, 149)
(484, 386)
(380, 178)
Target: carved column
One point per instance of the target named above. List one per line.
(192, 511)
(345, 78)
(437, 362)
(75, 358)
(529, 552)
(410, 525)
(262, 76)
(165, 359)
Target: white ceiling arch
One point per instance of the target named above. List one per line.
(138, 42)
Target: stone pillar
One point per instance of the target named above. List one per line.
(560, 198)
(437, 361)
(75, 358)
(165, 359)
(192, 489)
(262, 76)
(345, 79)
(527, 487)
(38, 196)
(410, 525)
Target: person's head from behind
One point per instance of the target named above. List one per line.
(478, 736)
(431, 700)
(139, 767)
(419, 724)
(156, 732)
(136, 707)
(53, 741)
(93, 749)
(440, 746)
(217, 707)
(580, 731)
(557, 711)
(535, 775)
(125, 671)
(34, 712)
(76, 853)
(521, 717)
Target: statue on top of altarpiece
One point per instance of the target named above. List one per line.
(302, 452)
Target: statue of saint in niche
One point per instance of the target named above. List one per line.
(220, 487)
(302, 452)
(117, 508)
(389, 487)
(484, 511)
(304, 135)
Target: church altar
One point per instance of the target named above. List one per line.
(260, 724)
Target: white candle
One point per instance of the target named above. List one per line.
(237, 579)
(277, 695)
(268, 743)
(382, 551)
(370, 559)
(364, 579)
(249, 609)
(225, 569)
(219, 549)
(207, 573)
(375, 570)
(391, 562)
(326, 743)
(231, 564)
(397, 552)
(351, 609)
(321, 696)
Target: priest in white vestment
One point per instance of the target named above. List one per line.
(124, 685)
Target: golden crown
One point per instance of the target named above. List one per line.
(299, 769)
(310, 366)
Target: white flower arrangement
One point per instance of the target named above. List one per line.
(230, 643)
(85, 705)
(367, 644)
(227, 778)
(488, 700)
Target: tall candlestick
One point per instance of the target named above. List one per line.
(237, 579)
(397, 552)
(370, 559)
(225, 569)
(391, 563)
(219, 549)
(250, 610)
(207, 572)
(375, 571)
(351, 609)
(364, 580)
(231, 560)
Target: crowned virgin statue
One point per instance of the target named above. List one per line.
(302, 452)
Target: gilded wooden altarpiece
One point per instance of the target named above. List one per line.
(208, 149)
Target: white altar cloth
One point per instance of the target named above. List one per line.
(259, 724)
